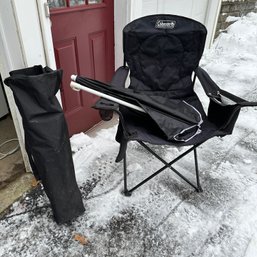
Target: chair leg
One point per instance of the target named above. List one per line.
(168, 165)
(126, 191)
(199, 188)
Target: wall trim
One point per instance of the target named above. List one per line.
(211, 20)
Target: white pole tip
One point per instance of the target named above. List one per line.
(73, 77)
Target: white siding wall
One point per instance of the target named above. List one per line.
(11, 57)
(195, 9)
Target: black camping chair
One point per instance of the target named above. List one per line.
(163, 53)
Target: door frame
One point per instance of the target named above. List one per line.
(211, 20)
(120, 20)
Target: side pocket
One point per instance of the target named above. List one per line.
(223, 116)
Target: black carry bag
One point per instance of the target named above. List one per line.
(46, 138)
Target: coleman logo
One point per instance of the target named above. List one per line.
(165, 24)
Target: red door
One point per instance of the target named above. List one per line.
(84, 44)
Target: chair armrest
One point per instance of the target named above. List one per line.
(224, 107)
(120, 76)
(106, 108)
(218, 95)
(237, 100)
(104, 104)
(209, 86)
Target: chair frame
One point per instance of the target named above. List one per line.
(197, 187)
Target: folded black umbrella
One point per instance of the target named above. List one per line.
(177, 119)
(46, 137)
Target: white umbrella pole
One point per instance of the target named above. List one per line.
(76, 86)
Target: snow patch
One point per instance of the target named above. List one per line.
(232, 19)
(79, 141)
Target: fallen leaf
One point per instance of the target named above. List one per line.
(81, 239)
(35, 182)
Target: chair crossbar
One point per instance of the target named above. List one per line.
(166, 165)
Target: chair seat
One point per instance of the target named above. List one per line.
(141, 127)
(151, 134)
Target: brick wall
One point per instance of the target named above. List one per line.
(235, 8)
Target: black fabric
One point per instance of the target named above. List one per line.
(209, 86)
(120, 77)
(171, 115)
(224, 117)
(162, 59)
(46, 138)
(140, 129)
(161, 62)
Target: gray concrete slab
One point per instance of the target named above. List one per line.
(11, 166)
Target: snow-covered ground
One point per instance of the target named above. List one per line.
(165, 217)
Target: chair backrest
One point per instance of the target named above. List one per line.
(162, 51)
